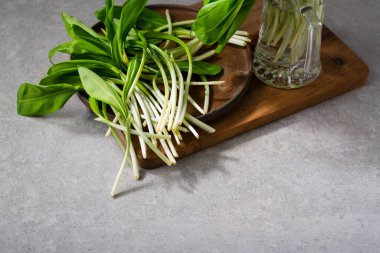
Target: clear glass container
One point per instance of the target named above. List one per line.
(287, 55)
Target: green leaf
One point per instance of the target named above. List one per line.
(201, 68)
(165, 36)
(102, 43)
(116, 52)
(35, 100)
(91, 64)
(129, 15)
(71, 23)
(101, 14)
(237, 22)
(95, 57)
(76, 28)
(109, 20)
(99, 89)
(133, 44)
(77, 46)
(68, 76)
(95, 106)
(148, 19)
(218, 20)
(211, 18)
(133, 69)
(68, 73)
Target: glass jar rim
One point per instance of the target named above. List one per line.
(299, 9)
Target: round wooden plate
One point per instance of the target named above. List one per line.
(235, 61)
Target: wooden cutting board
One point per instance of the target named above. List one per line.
(342, 71)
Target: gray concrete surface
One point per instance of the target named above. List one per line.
(307, 183)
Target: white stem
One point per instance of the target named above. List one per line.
(176, 137)
(146, 112)
(180, 135)
(168, 152)
(139, 71)
(237, 42)
(180, 96)
(199, 124)
(194, 49)
(173, 94)
(134, 132)
(208, 83)
(187, 37)
(150, 144)
(136, 116)
(181, 23)
(109, 129)
(113, 192)
(196, 106)
(170, 27)
(157, 93)
(152, 102)
(242, 33)
(171, 146)
(206, 104)
(166, 108)
(179, 51)
(246, 39)
(135, 166)
(204, 56)
(191, 128)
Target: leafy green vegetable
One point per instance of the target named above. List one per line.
(101, 14)
(97, 88)
(77, 29)
(201, 68)
(133, 69)
(128, 70)
(109, 20)
(74, 25)
(67, 72)
(69, 76)
(94, 57)
(74, 64)
(77, 46)
(128, 19)
(236, 23)
(148, 19)
(34, 100)
(218, 20)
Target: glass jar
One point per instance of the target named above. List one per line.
(287, 55)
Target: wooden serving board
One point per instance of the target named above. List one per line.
(342, 71)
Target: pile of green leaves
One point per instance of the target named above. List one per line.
(129, 71)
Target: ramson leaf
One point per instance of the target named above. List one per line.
(35, 100)
(201, 68)
(77, 46)
(99, 89)
(148, 19)
(218, 20)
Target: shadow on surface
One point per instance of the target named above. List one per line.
(189, 171)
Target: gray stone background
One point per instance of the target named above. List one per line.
(307, 183)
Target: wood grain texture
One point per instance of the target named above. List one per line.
(342, 71)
